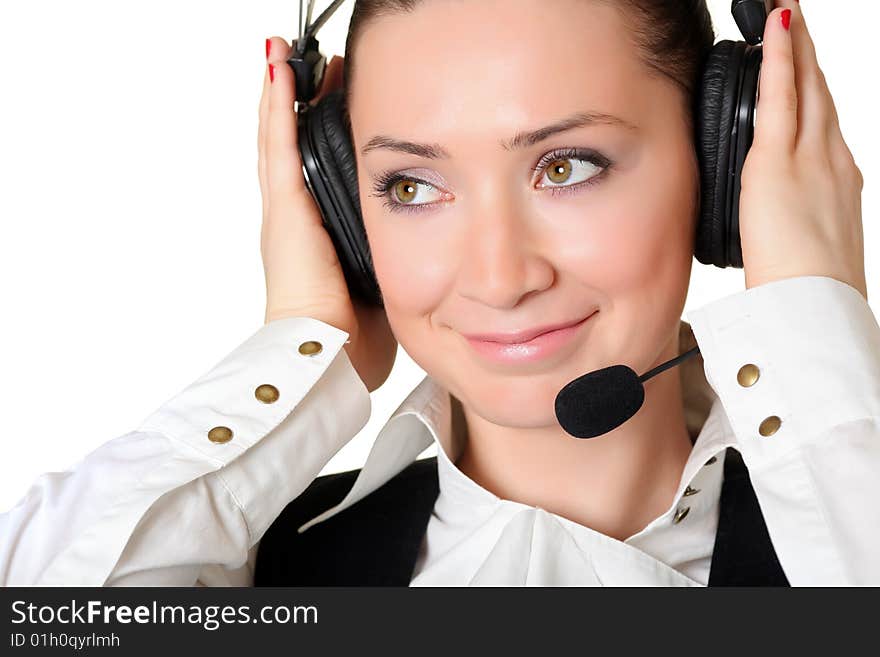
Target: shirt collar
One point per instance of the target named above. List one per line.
(425, 417)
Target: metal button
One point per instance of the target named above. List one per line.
(310, 348)
(748, 375)
(770, 425)
(220, 435)
(710, 461)
(690, 491)
(266, 393)
(680, 514)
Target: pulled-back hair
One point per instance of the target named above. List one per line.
(673, 37)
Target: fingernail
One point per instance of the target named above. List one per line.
(268, 47)
(786, 18)
(271, 73)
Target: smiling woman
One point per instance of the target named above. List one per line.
(517, 174)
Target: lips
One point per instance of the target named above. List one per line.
(542, 348)
(520, 337)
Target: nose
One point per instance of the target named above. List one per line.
(503, 258)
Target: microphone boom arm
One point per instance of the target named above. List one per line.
(672, 363)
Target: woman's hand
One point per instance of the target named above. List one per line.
(303, 273)
(800, 205)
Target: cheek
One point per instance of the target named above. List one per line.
(413, 272)
(630, 248)
(642, 244)
(416, 276)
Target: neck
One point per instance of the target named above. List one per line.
(615, 484)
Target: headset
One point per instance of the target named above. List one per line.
(725, 111)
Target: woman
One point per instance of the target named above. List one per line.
(481, 229)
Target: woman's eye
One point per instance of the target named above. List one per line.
(407, 191)
(569, 171)
(405, 194)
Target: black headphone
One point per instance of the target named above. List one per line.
(725, 121)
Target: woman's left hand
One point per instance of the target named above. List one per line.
(800, 204)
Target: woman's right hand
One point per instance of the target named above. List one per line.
(303, 273)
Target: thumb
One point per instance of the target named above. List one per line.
(776, 115)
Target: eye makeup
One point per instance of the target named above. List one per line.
(383, 186)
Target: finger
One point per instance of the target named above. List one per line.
(776, 121)
(819, 122)
(829, 124)
(832, 120)
(264, 102)
(261, 139)
(284, 176)
(817, 115)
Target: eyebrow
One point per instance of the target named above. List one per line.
(520, 140)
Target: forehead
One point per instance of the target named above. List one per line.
(494, 66)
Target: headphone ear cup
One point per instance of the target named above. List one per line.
(715, 115)
(331, 167)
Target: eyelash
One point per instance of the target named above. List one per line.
(386, 180)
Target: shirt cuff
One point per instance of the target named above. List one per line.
(285, 357)
(272, 455)
(276, 470)
(789, 360)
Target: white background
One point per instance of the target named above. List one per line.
(130, 206)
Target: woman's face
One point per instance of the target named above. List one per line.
(476, 239)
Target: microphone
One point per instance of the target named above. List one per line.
(602, 400)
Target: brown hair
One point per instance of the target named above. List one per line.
(673, 36)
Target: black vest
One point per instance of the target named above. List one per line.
(375, 541)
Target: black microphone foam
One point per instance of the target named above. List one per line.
(602, 400)
(599, 401)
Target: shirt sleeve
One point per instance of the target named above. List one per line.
(796, 365)
(185, 498)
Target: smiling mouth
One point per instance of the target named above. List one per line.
(526, 336)
(538, 347)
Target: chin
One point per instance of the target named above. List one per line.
(513, 401)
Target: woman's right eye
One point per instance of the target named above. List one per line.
(402, 193)
(407, 191)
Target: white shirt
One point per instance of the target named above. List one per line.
(164, 505)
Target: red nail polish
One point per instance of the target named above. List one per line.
(268, 47)
(786, 18)
(271, 73)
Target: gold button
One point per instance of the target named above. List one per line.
(770, 425)
(680, 514)
(220, 435)
(711, 461)
(690, 491)
(266, 393)
(747, 375)
(310, 348)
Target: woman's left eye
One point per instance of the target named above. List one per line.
(569, 168)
